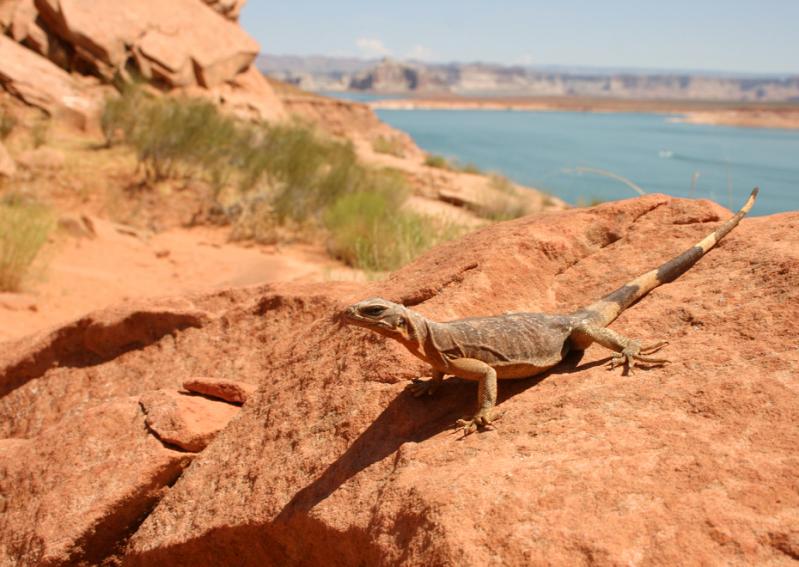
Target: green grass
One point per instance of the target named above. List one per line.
(24, 228)
(387, 145)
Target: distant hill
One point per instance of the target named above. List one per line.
(318, 73)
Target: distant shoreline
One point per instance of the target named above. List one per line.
(717, 113)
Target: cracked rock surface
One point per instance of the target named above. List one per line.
(332, 462)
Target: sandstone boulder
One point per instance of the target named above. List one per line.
(41, 83)
(231, 391)
(333, 462)
(73, 490)
(228, 8)
(179, 43)
(186, 421)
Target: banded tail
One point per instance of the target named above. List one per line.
(609, 307)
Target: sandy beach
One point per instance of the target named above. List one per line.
(746, 114)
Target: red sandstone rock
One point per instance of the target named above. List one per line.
(189, 422)
(334, 463)
(180, 42)
(41, 83)
(228, 8)
(227, 390)
(73, 490)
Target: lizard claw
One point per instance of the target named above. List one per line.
(469, 426)
(633, 355)
(421, 387)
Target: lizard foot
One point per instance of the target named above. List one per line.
(635, 354)
(479, 421)
(419, 387)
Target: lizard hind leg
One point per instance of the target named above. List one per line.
(629, 353)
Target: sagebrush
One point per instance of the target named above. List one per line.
(279, 174)
(24, 228)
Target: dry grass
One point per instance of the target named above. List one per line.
(24, 228)
(7, 124)
(387, 145)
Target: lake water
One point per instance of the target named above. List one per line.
(573, 154)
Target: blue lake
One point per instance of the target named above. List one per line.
(573, 155)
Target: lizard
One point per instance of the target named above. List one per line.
(521, 345)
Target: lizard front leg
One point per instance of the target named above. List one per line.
(473, 369)
(628, 352)
(420, 387)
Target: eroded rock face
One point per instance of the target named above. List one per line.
(231, 391)
(186, 421)
(41, 83)
(66, 489)
(180, 42)
(228, 8)
(332, 462)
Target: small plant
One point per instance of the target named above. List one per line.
(582, 202)
(469, 168)
(501, 208)
(7, 124)
(173, 138)
(40, 132)
(24, 228)
(387, 145)
(502, 184)
(368, 231)
(434, 160)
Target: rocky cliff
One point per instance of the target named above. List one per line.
(332, 462)
(391, 76)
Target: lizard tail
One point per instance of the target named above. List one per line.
(609, 307)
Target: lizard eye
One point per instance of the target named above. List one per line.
(373, 310)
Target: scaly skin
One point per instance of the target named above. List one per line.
(519, 345)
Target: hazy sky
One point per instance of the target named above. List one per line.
(733, 35)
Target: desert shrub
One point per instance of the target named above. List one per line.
(284, 175)
(388, 145)
(24, 228)
(500, 207)
(7, 124)
(369, 232)
(369, 229)
(434, 160)
(172, 137)
(583, 202)
(40, 132)
(468, 168)
(502, 184)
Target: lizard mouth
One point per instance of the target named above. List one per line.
(351, 316)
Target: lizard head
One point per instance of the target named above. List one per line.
(382, 316)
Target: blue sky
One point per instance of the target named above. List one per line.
(741, 36)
